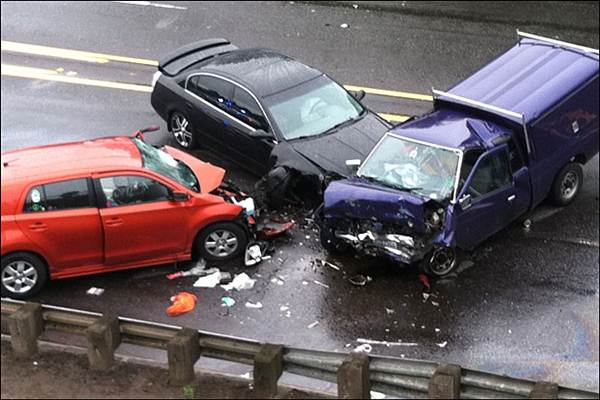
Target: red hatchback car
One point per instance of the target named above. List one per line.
(110, 204)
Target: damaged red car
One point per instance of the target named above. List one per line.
(110, 204)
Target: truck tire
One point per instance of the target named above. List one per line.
(440, 262)
(23, 275)
(567, 184)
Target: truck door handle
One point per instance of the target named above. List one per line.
(116, 221)
(38, 227)
(511, 197)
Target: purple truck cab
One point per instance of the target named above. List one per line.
(494, 146)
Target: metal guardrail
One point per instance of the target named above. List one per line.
(393, 376)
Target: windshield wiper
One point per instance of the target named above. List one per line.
(374, 179)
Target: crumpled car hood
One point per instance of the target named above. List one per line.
(209, 176)
(331, 151)
(358, 199)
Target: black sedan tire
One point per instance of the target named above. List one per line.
(182, 131)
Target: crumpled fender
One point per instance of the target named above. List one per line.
(283, 155)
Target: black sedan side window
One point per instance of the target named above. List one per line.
(247, 110)
(216, 91)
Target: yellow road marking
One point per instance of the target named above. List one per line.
(78, 55)
(391, 93)
(52, 75)
(35, 73)
(101, 58)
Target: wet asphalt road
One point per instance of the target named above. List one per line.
(527, 303)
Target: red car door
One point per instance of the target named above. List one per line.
(62, 219)
(140, 222)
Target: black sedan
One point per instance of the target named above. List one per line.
(275, 116)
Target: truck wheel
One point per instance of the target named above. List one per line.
(182, 131)
(222, 241)
(23, 275)
(567, 184)
(440, 262)
(331, 243)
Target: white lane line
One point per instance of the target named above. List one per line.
(151, 4)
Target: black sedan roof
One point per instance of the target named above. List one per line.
(264, 71)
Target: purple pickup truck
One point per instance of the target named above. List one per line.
(494, 146)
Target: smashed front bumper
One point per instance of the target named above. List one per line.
(399, 247)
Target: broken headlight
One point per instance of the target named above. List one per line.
(435, 218)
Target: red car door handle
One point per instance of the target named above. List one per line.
(114, 221)
(38, 227)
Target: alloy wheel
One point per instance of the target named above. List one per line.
(19, 277)
(221, 243)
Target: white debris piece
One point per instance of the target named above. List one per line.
(388, 344)
(437, 329)
(389, 310)
(245, 376)
(304, 283)
(330, 265)
(363, 348)
(240, 282)
(208, 281)
(344, 26)
(443, 344)
(425, 296)
(258, 304)
(96, 291)
(435, 304)
(377, 395)
(355, 6)
(321, 284)
(313, 324)
(35, 363)
(277, 281)
(283, 308)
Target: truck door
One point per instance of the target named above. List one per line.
(486, 202)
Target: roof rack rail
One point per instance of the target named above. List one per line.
(513, 115)
(557, 42)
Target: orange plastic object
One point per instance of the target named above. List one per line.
(182, 302)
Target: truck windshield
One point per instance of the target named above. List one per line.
(406, 165)
(162, 163)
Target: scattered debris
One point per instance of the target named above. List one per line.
(273, 227)
(199, 269)
(227, 301)
(284, 308)
(437, 329)
(527, 224)
(363, 348)
(435, 303)
(425, 296)
(377, 395)
(209, 281)
(183, 302)
(258, 304)
(424, 280)
(360, 280)
(313, 325)
(389, 310)
(328, 264)
(255, 253)
(385, 343)
(96, 291)
(321, 284)
(277, 281)
(355, 6)
(245, 376)
(35, 363)
(240, 282)
(443, 344)
(304, 283)
(344, 26)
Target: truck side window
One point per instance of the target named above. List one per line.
(516, 161)
(469, 159)
(493, 173)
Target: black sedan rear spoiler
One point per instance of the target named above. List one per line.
(192, 53)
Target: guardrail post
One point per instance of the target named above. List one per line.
(183, 350)
(268, 367)
(544, 390)
(353, 377)
(103, 338)
(445, 382)
(25, 326)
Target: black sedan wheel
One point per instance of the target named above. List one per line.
(181, 128)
